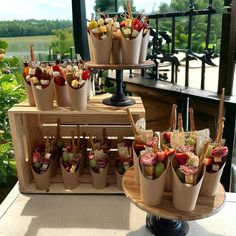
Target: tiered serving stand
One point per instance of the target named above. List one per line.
(164, 219)
(119, 98)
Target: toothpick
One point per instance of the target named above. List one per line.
(131, 120)
(78, 137)
(180, 122)
(92, 142)
(220, 117)
(191, 116)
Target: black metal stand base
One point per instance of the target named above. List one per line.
(164, 227)
(117, 101)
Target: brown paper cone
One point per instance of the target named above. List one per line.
(210, 183)
(99, 180)
(184, 198)
(71, 180)
(101, 49)
(29, 94)
(78, 97)
(116, 55)
(42, 181)
(62, 96)
(90, 47)
(168, 184)
(151, 191)
(119, 178)
(44, 97)
(131, 49)
(144, 47)
(136, 165)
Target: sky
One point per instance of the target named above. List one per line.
(54, 9)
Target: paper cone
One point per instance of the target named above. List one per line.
(210, 183)
(116, 55)
(62, 96)
(90, 47)
(168, 184)
(78, 97)
(131, 49)
(184, 198)
(29, 93)
(119, 178)
(151, 191)
(99, 180)
(44, 97)
(101, 49)
(71, 180)
(144, 47)
(136, 165)
(42, 181)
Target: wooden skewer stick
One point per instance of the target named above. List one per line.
(220, 118)
(220, 132)
(73, 142)
(180, 122)
(92, 142)
(173, 117)
(191, 116)
(131, 120)
(78, 137)
(58, 129)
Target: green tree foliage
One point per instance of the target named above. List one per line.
(31, 27)
(199, 24)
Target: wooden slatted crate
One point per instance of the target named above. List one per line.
(25, 122)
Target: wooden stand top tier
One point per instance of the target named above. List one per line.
(146, 64)
(206, 206)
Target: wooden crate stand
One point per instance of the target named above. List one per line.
(25, 122)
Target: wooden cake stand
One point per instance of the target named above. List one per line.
(164, 219)
(119, 98)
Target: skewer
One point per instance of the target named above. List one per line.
(220, 132)
(191, 116)
(180, 122)
(73, 142)
(131, 120)
(220, 118)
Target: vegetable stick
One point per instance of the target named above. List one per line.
(131, 120)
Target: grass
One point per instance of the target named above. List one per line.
(19, 46)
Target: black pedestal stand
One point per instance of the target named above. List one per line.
(164, 227)
(119, 98)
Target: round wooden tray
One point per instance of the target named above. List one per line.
(206, 206)
(146, 64)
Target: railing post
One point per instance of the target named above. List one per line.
(227, 51)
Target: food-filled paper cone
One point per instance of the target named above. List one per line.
(78, 97)
(42, 181)
(101, 49)
(136, 166)
(144, 47)
(151, 191)
(131, 49)
(116, 55)
(168, 184)
(184, 198)
(210, 183)
(44, 97)
(99, 180)
(29, 93)
(90, 47)
(71, 180)
(119, 178)
(61, 95)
